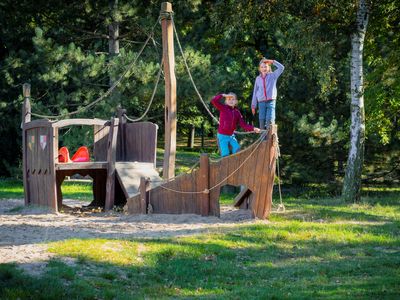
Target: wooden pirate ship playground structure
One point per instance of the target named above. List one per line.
(123, 163)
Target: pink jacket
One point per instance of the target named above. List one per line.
(229, 117)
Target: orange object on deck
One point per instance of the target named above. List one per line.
(63, 155)
(81, 155)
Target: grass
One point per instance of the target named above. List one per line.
(320, 247)
(74, 189)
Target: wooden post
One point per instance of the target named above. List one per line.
(26, 118)
(121, 143)
(111, 157)
(170, 90)
(204, 184)
(143, 194)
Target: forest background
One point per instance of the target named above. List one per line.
(62, 49)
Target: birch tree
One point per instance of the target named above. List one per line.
(352, 180)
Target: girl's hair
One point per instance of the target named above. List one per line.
(262, 61)
(232, 94)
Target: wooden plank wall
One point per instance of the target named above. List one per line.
(141, 142)
(100, 142)
(165, 201)
(254, 167)
(40, 170)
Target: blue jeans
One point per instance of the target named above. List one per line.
(224, 141)
(266, 113)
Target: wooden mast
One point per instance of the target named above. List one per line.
(170, 90)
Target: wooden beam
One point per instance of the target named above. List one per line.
(243, 195)
(204, 184)
(26, 118)
(69, 122)
(111, 157)
(92, 165)
(52, 178)
(170, 90)
(121, 143)
(143, 195)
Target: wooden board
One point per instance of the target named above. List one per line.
(92, 165)
(129, 174)
(243, 195)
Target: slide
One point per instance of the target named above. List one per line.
(129, 174)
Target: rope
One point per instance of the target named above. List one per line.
(109, 91)
(172, 178)
(189, 73)
(206, 191)
(151, 99)
(249, 132)
(281, 206)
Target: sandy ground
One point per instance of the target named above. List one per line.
(24, 231)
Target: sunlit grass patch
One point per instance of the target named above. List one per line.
(73, 189)
(77, 189)
(119, 252)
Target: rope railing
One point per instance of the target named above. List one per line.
(109, 91)
(206, 191)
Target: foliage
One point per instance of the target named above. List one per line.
(62, 50)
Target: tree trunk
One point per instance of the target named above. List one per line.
(202, 135)
(352, 180)
(113, 47)
(190, 143)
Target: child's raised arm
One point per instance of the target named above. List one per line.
(216, 101)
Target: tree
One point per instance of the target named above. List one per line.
(352, 180)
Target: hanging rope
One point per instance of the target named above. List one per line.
(189, 73)
(109, 91)
(281, 206)
(151, 99)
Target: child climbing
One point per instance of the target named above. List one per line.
(229, 117)
(265, 92)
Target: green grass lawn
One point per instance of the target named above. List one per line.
(319, 248)
(74, 189)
